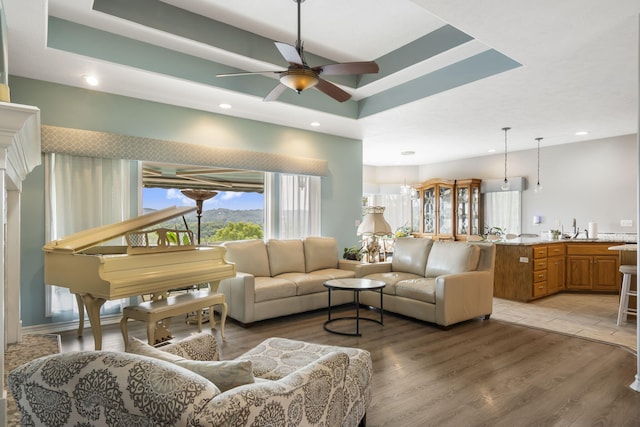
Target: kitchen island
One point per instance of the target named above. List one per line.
(532, 268)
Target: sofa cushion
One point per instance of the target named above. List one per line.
(391, 279)
(285, 256)
(320, 252)
(306, 283)
(334, 273)
(410, 255)
(272, 288)
(249, 256)
(418, 289)
(451, 258)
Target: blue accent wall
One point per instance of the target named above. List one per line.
(72, 107)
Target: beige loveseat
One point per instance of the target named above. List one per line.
(280, 382)
(437, 281)
(282, 277)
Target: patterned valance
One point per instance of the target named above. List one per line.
(87, 143)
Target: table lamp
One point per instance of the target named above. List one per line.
(373, 225)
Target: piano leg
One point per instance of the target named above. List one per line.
(80, 315)
(93, 306)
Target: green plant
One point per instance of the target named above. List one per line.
(353, 253)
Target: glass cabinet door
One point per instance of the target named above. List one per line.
(475, 211)
(445, 215)
(429, 210)
(462, 196)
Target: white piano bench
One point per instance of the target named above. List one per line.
(152, 312)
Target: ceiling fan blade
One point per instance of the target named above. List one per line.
(289, 53)
(275, 93)
(247, 73)
(349, 68)
(332, 90)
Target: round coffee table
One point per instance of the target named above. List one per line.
(356, 285)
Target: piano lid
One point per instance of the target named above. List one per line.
(85, 239)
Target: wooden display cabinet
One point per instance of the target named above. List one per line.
(436, 200)
(450, 209)
(468, 211)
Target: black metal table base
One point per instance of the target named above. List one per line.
(357, 317)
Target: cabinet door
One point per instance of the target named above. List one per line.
(445, 210)
(462, 211)
(556, 274)
(579, 272)
(429, 210)
(476, 210)
(605, 273)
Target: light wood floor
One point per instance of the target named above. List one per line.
(478, 373)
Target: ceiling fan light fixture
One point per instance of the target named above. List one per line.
(299, 79)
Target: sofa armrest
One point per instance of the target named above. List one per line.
(239, 293)
(463, 296)
(348, 264)
(316, 391)
(364, 270)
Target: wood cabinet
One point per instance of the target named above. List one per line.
(468, 210)
(527, 272)
(450, 209)
(592, 266)
(436, 199)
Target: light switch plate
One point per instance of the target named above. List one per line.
(626, 223)
(524, 259)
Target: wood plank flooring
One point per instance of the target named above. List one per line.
(478, 373)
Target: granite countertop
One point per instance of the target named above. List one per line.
(541, 240)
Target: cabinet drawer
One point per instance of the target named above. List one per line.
(539, 289)
(588, 249)
(539, 264)
(555, 250)
(539, 276)
(540, 252)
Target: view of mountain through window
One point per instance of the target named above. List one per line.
(230, 215)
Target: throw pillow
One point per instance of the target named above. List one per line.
(225, 374)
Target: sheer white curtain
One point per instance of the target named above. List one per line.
(503, 209)
(82, 193)
(293, 211)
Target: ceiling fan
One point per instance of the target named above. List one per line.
(299, 76)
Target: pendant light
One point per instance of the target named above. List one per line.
(538, 187)
(505, 184)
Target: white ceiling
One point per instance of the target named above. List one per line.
(579, 68)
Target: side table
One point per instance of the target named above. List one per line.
(356, 285)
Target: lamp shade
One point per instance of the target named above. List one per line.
(299, 79)
(373, 223)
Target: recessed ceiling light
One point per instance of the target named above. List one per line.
(315, 124)
(225, 106)
(407, 153)
(582, 132)
(492, 150)
(91, 80)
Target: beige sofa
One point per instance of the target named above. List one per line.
(282, 277)
(280, 382)
(441, 282)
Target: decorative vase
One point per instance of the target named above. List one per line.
(4, 56)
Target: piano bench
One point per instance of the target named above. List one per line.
(152, 312)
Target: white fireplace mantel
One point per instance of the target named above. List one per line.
(19, 154)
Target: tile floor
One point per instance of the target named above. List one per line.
(590, 316)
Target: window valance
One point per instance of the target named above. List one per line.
(81, 142)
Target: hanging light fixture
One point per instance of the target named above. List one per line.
(505, 184)
(538, 187)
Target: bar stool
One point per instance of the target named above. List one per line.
(627, 271)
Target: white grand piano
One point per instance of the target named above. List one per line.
(96, 274)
